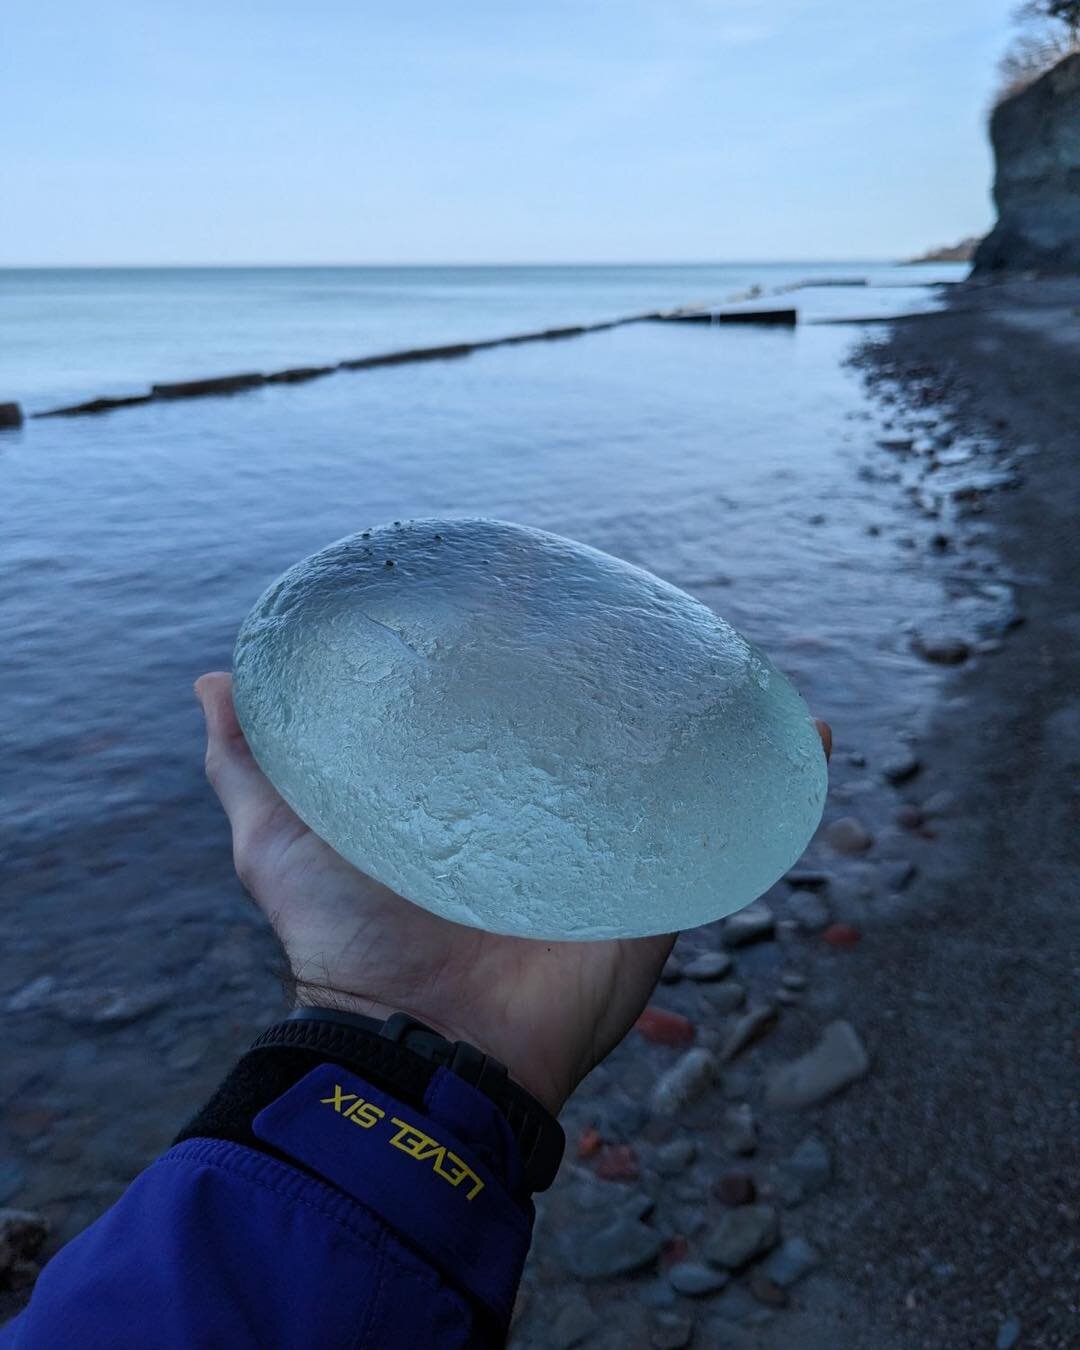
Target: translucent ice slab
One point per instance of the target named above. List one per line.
(526, 735)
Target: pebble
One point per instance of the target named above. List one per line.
(725, 998)
(675, 1249)
(857, 759)
(660, 1027)
(695, 1280)
(808, 910)
(898, 875)
(31, 995)
(900, 770)
(941, 650)
(574, 1324)
(709, 966)
(686, 1080)
(671, 1159)
(842, 935)
(790, 1262)
(738, 1129)
(617, 1162)
(670, 1331)
(749, 1028)
(807, 877)
(751, 924)
(793, 979)
(743, 1234)
(939, 804)
(848, 835)
(789, 997)
(735, 1188)
(105, 1005)
(768, 1292)
(838, 1059)
(1008, 1334)
(588, 1143)
(21, 1235)
(624, 1246)
(909, 817)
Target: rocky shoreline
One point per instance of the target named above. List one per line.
(842, 1123)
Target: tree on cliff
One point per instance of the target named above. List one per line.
(1060, 11)
(1051, 31)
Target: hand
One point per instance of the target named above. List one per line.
(549, 1010)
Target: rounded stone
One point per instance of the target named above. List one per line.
(525, 735)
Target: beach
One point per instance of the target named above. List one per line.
(933, 1202)
(888, 510)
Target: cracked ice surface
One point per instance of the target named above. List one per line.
(526, 735)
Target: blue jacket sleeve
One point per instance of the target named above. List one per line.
(347, 1220)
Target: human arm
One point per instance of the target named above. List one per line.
(242, 1235)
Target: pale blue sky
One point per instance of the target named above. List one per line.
(144, 131)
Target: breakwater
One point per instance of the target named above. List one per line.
(219, 385)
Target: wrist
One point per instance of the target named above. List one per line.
(541, 1086)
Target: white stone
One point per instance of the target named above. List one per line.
(523, 734)
(839, 1058)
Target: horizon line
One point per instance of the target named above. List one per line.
(594, 262)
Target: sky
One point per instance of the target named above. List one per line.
(191, 131)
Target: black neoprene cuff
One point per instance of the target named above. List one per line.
(286, 1052)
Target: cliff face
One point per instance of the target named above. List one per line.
(1036, 139)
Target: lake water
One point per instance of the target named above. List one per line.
(70, 334)
(739, 463)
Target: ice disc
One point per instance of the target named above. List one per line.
(526, 735)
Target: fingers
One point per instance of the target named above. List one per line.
(241, 786)
(825, 732)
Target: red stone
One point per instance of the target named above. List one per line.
(617, 1162)
(768, 1292)
(589, 1142)
(736, 1188)
(842, 935)
(661, 1027)
(674, 1250)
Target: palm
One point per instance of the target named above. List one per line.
(549, 1010)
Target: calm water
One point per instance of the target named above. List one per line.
(68, 334)
(738, 463)
(132, 544)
